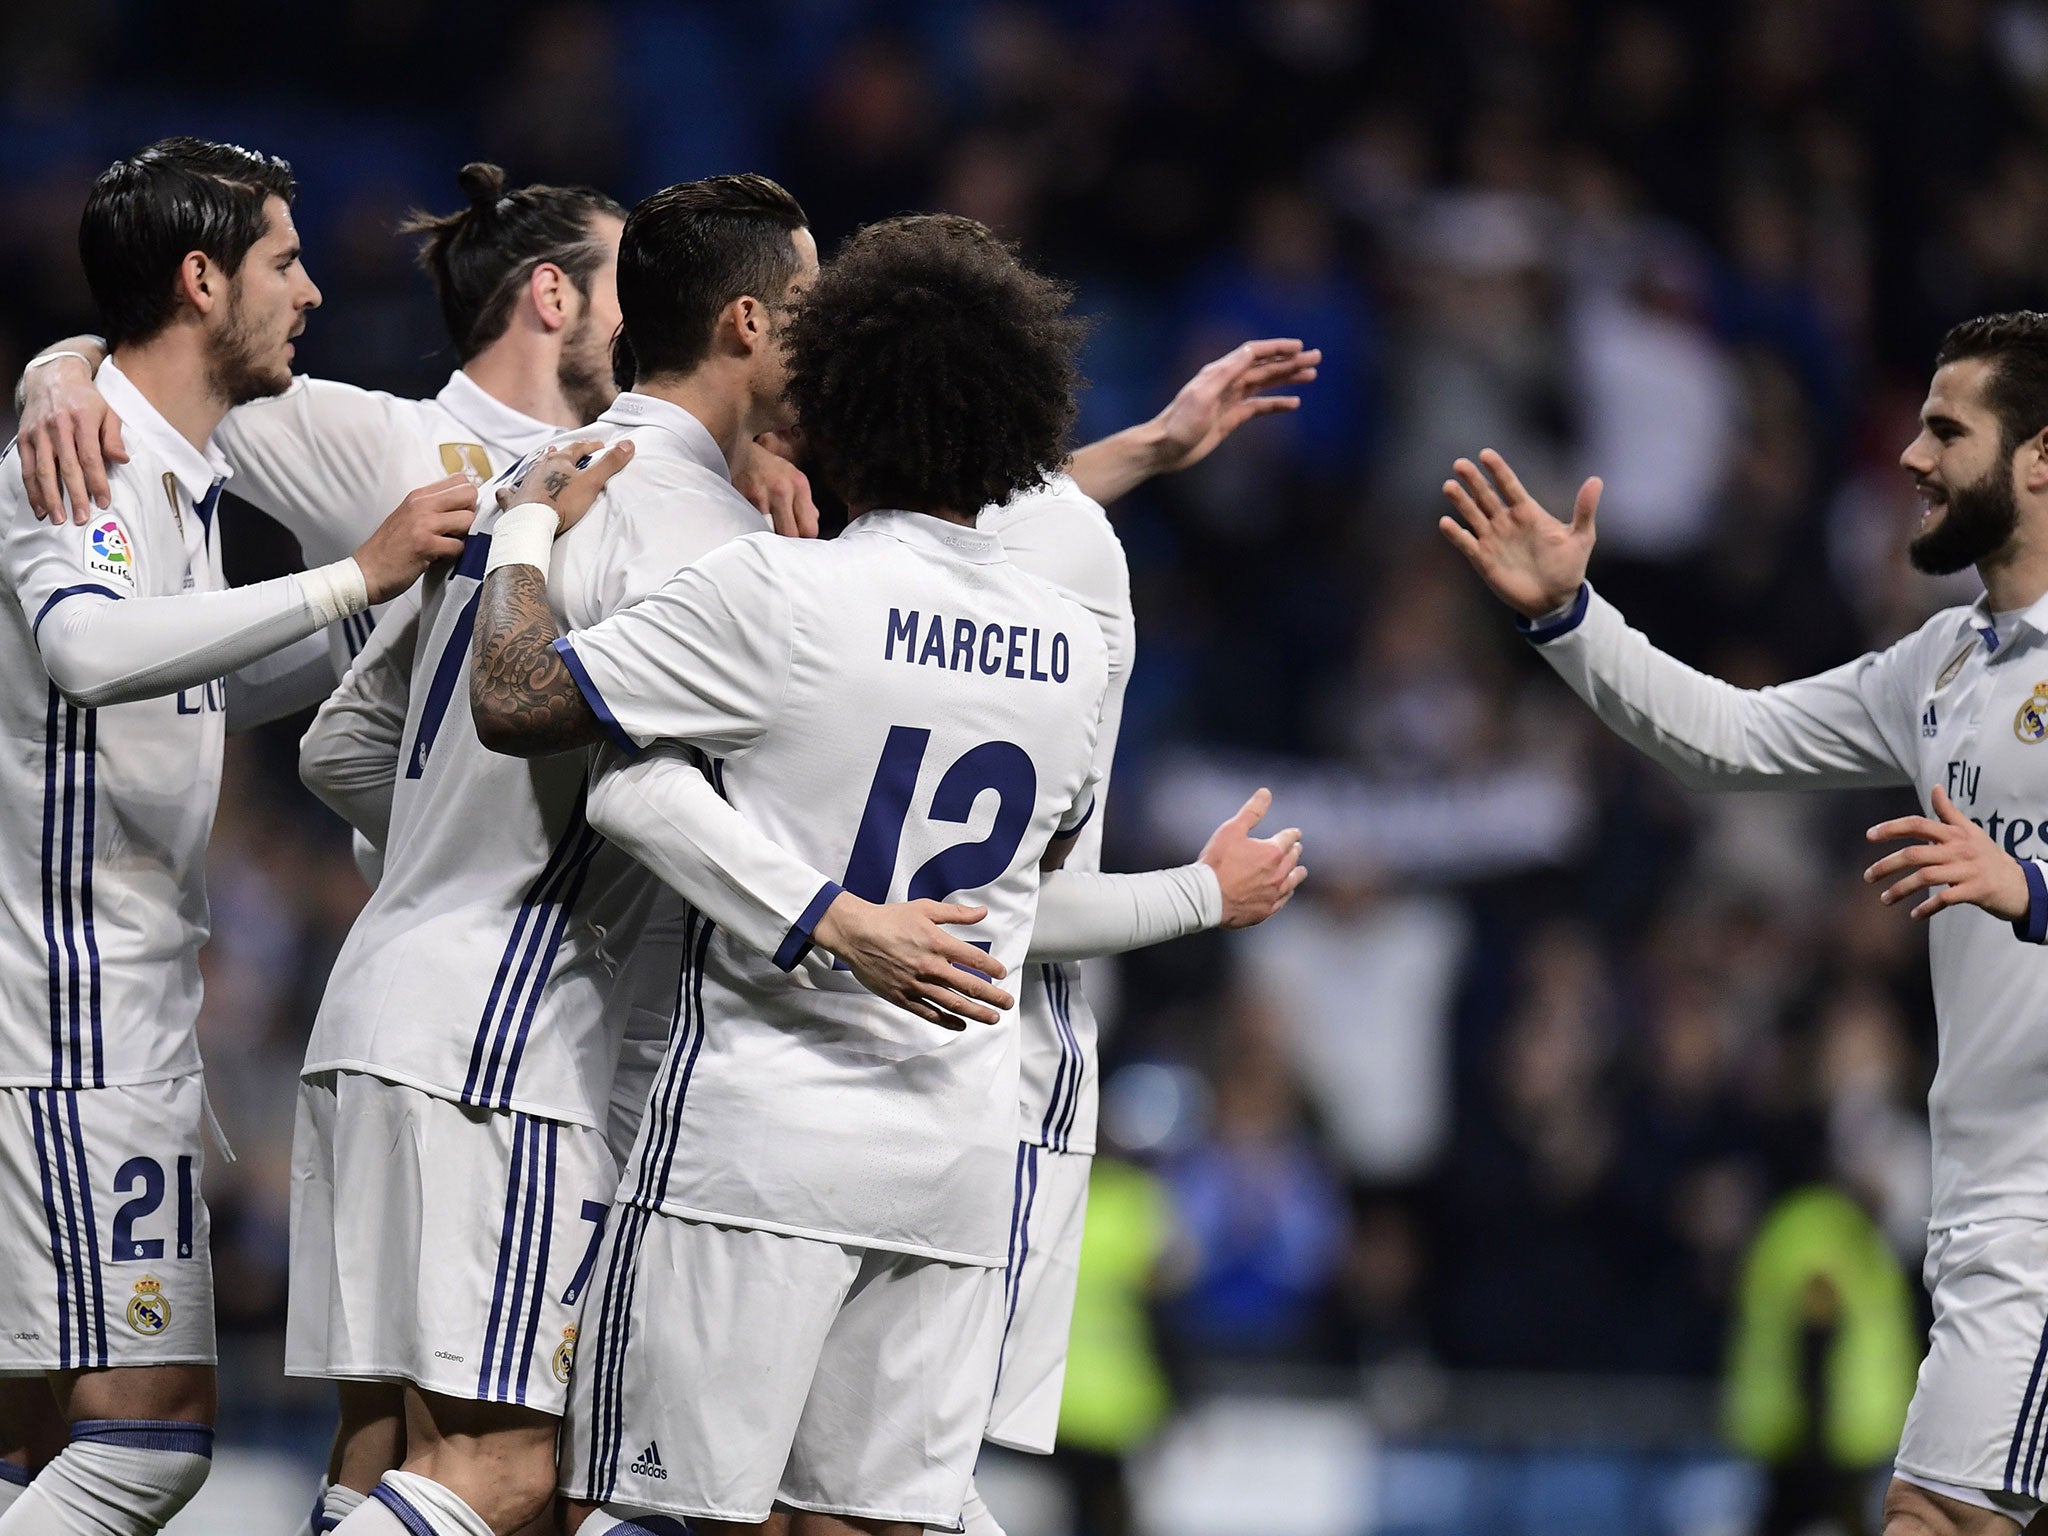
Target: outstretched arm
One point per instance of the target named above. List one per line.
(1218, 400)
(521, 692)
(1848, 726)
(1238, 881)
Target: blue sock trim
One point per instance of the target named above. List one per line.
(650, 1525)
(147, 1435)
(21, 1477)
(401, 1506)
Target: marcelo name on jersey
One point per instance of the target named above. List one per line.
(962, 645)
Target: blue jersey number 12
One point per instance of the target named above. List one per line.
(1002, 766)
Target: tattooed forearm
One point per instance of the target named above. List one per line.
(520, 691)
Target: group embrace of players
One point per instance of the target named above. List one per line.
(668, 1146)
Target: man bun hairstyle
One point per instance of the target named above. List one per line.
(480, 256)
(147, 213)
(2015, 344)
(931, 370)
(688, 251)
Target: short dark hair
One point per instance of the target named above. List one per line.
(2016, 387)
(690, 250)
(931, 370)
(146, 213)
(479, 256)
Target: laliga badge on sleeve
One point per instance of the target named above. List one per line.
(108, 552)
(2031, 723)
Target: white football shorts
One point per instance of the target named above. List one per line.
(103, 1234)
(1038, 1302)
(726, 1370)
(438, 1243)
(1979, 1416)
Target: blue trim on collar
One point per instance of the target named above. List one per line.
(594, 699)
(1542, 633)
(797, 942)
(21, 1477)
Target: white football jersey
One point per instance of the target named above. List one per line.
(1961, 703)
(905, 705)
(480, 968)
(1061, 535)
(330, 461)
(105, 813)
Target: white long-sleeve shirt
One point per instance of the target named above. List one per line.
(112, 649)
(1956, 703)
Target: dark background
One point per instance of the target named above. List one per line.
(1510, 1088)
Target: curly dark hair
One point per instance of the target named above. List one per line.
(931, 370)
(2016, 346)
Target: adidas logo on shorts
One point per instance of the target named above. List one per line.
(648, 1464)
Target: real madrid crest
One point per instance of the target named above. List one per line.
(565, 1355)
(149, 1309)
(2031, 723)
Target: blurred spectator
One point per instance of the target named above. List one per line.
(1361, 983)
(1514, 1083)
(1825, 1351)
(1259, 1214)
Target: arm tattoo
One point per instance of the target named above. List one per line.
(520, 691)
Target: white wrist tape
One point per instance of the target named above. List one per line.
(524, 536)
(42, 358)
(335, 591)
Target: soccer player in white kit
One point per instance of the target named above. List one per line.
(802, 1290)
(526, 283)
(525, 280)
(115, 644)
(651, 807)
(452, 1175)
(1958, 709)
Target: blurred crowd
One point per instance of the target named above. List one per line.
(1514, 1083)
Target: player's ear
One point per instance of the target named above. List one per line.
(748, 319)
(200, 282)
(548, 290)
(2033, 462)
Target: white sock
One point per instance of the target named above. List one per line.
(117, 1477)
(334, 1505)
(406, 1504)
(975, 1519)
(604, 1523)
